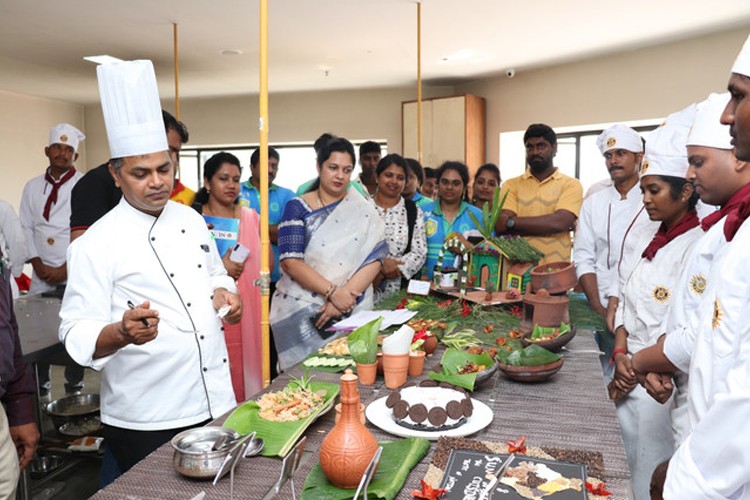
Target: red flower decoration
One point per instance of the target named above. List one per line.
(517, 446)
(403, 302)
(465, 309)
(420, 335)
(445, 303)
(600, 489)
(516, 311)
(428, 492)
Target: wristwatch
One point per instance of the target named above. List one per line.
(511, 222)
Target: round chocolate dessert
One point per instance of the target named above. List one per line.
(429, 406)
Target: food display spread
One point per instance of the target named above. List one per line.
(430, 406)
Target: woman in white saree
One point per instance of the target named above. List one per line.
(331, 245)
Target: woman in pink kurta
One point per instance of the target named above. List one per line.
(221, 177)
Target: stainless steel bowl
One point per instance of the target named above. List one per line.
(192, 451)
(73, 408)
(43, 465)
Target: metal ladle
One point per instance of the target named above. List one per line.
(254, 447)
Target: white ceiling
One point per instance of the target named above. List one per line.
(329, 44)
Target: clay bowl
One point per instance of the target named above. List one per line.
(554, 345)
(555, 277)
(531, 373)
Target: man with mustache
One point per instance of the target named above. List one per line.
(44, 215)
(145, 286)
(543, 203)
(601, 242)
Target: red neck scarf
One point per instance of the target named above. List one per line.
(52, 198)
(663, 236)
(737, 209)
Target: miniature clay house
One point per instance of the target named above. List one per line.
(501, 263)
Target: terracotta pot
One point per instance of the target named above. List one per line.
(347, 450)
(540, 310)
(430, 344)
(555, 277)
(367, 373)
(416, 363)
(380, 363)
(361, 413)
(395, 369)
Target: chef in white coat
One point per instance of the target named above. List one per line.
(145, 284)
(647, 292)
(714, 460)
(610, 214)
(45, 209)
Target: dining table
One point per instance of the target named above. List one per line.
(570, 411)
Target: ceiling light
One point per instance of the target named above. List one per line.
(103, 59)
(230, 52)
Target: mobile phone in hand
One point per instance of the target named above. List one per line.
(239, 253)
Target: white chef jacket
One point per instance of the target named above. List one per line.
(605, 220)
(12, 242)
(714, 461)
(46, 239)
(678, 345)
(644, 302)
(181, 377)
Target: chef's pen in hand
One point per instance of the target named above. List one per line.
(143, 320)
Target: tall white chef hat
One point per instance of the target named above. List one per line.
(65, 133)
(132, 112)
(742, 63)
(707, 130)
(666, 149)
(620, 137)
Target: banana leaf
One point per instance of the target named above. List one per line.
(532, 355)
(451, 363)
(544, 331)
(396, 461)
(279, 437)
(363, 342)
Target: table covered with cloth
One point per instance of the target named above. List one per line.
(569, 411)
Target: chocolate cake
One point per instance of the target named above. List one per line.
(429, 406)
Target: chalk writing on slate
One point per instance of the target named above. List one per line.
(466, 478)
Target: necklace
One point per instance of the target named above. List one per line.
(320, 200)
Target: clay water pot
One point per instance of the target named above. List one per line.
(347, 450)
(395, 369)
(367, 373)
(416, 363)
(430, 344)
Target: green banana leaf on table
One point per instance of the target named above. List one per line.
(451, 363)
(279, 437)
(397, 460)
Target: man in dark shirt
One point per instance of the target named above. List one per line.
(95, 194)
(18, 431)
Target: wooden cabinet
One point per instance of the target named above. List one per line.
(452, 129)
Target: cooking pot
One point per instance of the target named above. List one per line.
(193, 455)
(73, 408)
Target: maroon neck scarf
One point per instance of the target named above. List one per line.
(737, 209)
(52, 198)
(663, 236)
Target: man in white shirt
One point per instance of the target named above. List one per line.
(610, 215)
(145, 285)
(45, 218)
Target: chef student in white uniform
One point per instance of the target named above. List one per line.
(45, 219)
(645, 297)
(714, 460)
(714, 173)
(145, 285)
(45, 209)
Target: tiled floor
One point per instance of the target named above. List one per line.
(79, 479)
